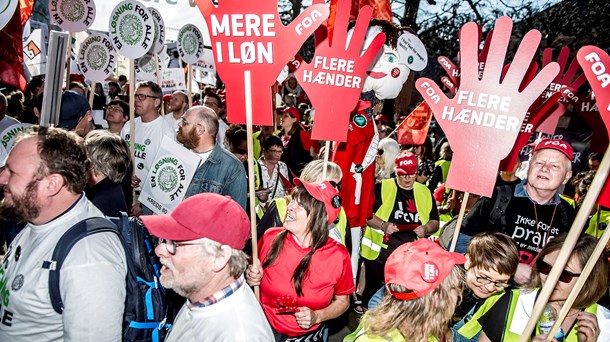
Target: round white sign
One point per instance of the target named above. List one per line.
(131, 29)
(97, 57)
(72, 15)
(159, 30)
(167, 179)
(190, 43)
(145, 68)
(6, 12)
(8, 136)
(412, 51)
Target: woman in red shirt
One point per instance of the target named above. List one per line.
(306, 277)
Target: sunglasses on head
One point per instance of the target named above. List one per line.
(545, 268)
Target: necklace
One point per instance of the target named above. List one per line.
(550, 223)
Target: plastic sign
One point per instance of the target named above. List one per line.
(595, 64)
(249, 37)
(97, 57)
(190, 43)
(132, 29)
(334, 78)
(159, 30)
(6, 11)
(72, 15)
(485, 110)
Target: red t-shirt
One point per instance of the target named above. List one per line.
(330, 274)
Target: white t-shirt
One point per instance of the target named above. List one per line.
(238, 317)
(148, 139)
(7, 122)
(169, 117)
(220, 137)
(92, 284)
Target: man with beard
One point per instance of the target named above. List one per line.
(43, 183)
(150, 128)
(220, 171)
(178, 104)
(535, 212)
(200, 249)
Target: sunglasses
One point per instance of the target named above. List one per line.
(379, 152)
(545, 268)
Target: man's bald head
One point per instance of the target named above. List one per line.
(207, 117)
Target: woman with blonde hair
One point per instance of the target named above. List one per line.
(387, 151)
(423, 288)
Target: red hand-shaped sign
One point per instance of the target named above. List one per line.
(248, 37)
(596, 65)
(334, 78)
(483, 119)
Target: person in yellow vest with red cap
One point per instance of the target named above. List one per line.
(404, 211)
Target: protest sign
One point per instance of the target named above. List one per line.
(248, 36)
(145, 67)
(595, 64)
(97, 57)
(159, 30)
(169, 177)
(190, 44)
(8, 136)
(72, 15)
(414, 129)
(335, 77)
(7, 11)
(132, 29)
(173, 79)
(204, 71)
(485, 109)
(35, 40)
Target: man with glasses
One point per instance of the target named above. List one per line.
(150, 128)
(404, 210)
(220, 171)
(200, 250)
(43, 183)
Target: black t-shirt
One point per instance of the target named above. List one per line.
(404, 214)
(530, 225)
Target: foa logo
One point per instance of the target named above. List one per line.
(556, 143)
(405, 162)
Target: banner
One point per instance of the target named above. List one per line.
(132, 29)
(169, 178)
(11, 51)
(72, 15)
(414, 129)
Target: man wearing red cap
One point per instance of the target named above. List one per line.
(202, 261)
(535, 213)
(404, 211)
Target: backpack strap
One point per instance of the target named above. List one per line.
(497, 217)
(77, 232)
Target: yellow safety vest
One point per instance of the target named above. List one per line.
(393, 335)
(604, 219)
(257, 145)
(372, 240)
(569, 200)
(444, 164)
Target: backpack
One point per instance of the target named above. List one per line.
(496, 216)
(145, 302)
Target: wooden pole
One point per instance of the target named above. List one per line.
(566, 251)
(189, 84)
(69, 60)
(599, 248)
(132, 124)
(598, 216)
(251, 188)
(92, 94)
(158, 73)
(456, 232)
(326, 158)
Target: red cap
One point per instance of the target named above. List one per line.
(324, 192)
(206, 215)
(419, 266)
(406, 163)
(294, 112)
(381, 118)
(556, 144)
(167, 97)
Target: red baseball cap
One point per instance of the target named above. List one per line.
(381, 118)
(406, 163)
(556, 144)
(420, 266)
(205, 215)
(167, 97)
(294, 112)
(324, 192)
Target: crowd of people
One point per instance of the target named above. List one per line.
(406, 287)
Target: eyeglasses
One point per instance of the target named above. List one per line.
(484, 280)
(114, 109)
(143, 97)
(183, 122)
(410, 175)
(379, 152)
(171, 246)
(545, 268)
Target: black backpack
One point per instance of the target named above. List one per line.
(143, 292)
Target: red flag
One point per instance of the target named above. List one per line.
(26, 7)
(414, 129)
(381, 9)
(11, 53)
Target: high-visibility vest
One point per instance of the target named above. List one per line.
(569, 200)
(281, 204)
(509, 336)
(394, 335)
(257, 145)
(604, 219)
(372, 240)
(444, 164)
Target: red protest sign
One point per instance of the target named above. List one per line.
(248, 36)
(484, 117)
(334, 78)
(414, 129)
(595, 64)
